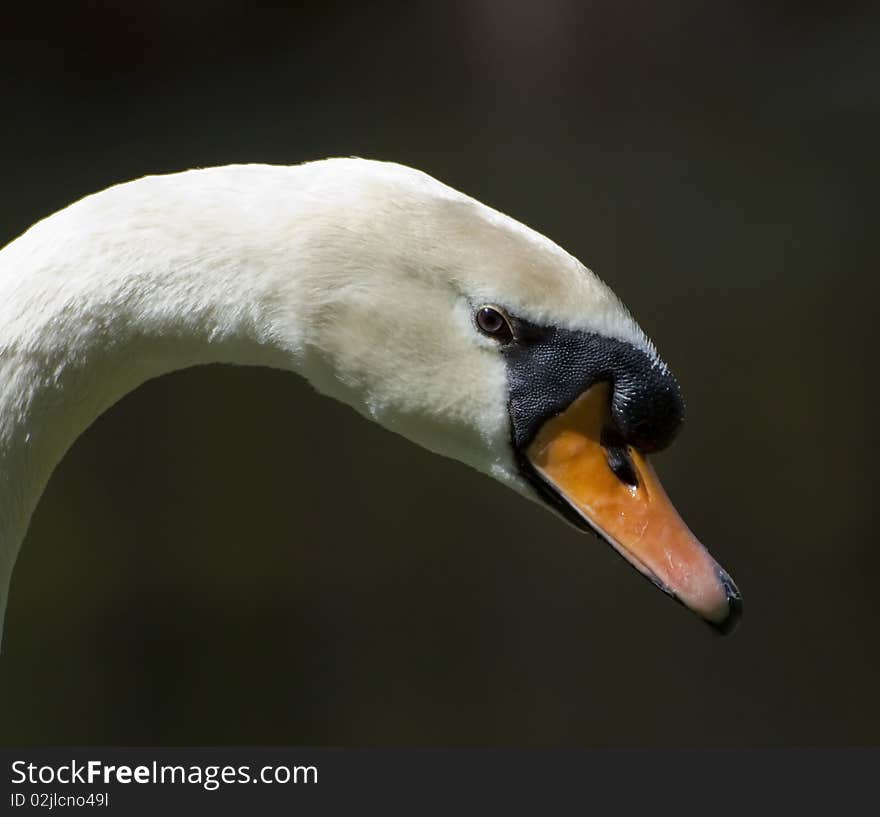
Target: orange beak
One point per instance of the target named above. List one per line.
(637, 519)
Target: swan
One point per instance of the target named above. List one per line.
(423, 309)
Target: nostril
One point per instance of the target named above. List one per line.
(617, 455)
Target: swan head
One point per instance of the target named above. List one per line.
(480, 339)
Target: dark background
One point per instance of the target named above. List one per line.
(190, 576)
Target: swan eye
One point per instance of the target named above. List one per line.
(492, 322)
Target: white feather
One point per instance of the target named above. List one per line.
(359, 275)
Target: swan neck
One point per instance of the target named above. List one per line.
(114, 291)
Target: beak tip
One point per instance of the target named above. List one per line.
(734, 606)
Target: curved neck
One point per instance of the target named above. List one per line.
(123, 287)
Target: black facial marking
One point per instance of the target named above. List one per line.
(550, 367)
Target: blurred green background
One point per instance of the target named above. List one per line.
(190, 577)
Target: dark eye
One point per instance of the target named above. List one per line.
(491, 321)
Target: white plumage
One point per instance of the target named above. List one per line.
(361, 276)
